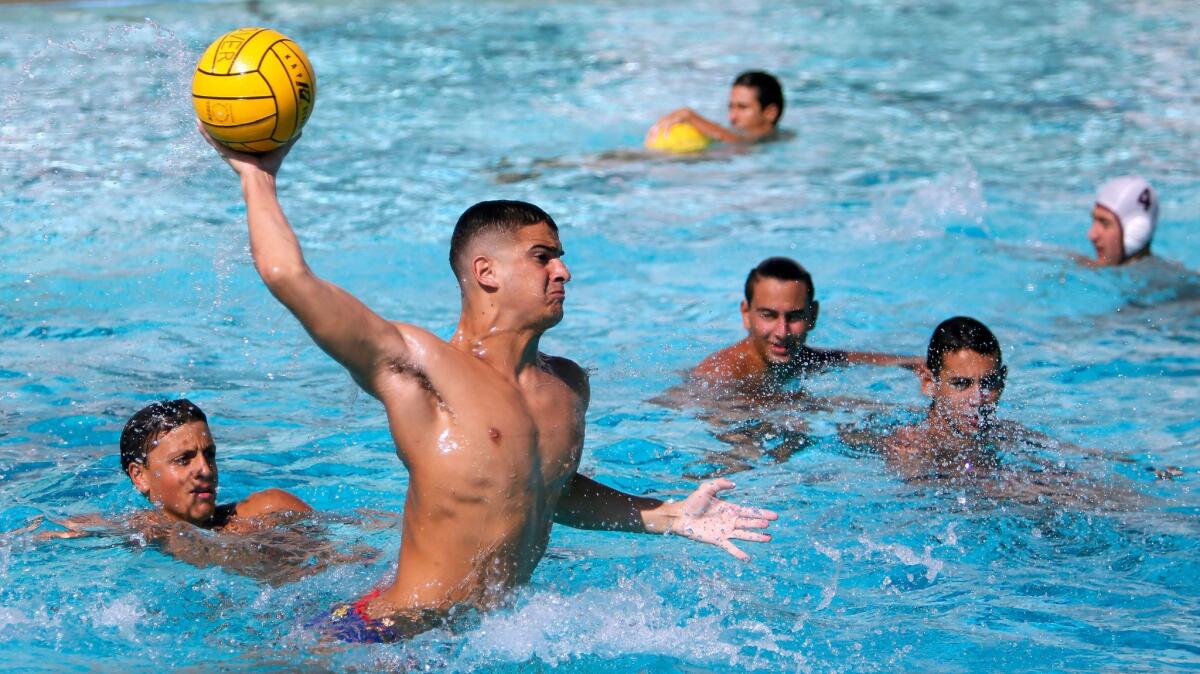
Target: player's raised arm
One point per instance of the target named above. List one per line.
(358, 338)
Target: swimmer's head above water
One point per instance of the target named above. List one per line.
(1123, 220)
(755, 102)
(507, 257)
(964, 376)
(169, 454)
(779, 310)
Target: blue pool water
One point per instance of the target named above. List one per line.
(943, 163)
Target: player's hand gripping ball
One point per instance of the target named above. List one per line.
(254, 89)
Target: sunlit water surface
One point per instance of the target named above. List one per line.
(943, 163)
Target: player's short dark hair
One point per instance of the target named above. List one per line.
(956, 334)
(769, 91)
(493, 216)
(151, 423)
(782, 268)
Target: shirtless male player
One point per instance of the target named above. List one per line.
(755, 108)
(490, 429)
(778, 312)
(168, 452)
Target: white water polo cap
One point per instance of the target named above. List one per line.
(1135, 204)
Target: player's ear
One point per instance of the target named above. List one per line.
(137, 473)
(745, 314)
(927, 383)
(484, 270)
(771, 112)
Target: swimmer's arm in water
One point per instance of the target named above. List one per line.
(587, 504)
(835, 357)
(702, 124)
(76, 526)
(1043, 441)
(369, 347)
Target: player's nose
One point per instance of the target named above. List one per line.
(561, 273)
(204, 466)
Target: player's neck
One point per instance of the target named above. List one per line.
(508, 347)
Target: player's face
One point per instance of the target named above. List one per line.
(180, 473)
(534, 276)
(967, 390)
(1106, 236)
(778, 319)
(745, 112)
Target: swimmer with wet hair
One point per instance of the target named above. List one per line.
(755, 108)
(960, 438)
(168, 453)
(489, 428)
(167, 450)
(964, 377)
(1123, 221)
(779, 311)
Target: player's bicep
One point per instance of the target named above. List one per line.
(350, 332)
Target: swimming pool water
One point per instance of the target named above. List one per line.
(944, 159)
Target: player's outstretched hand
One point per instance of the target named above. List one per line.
(705, 518)
(241, 162)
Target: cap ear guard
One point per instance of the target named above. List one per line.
(1136, 231)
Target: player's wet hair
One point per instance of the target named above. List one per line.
(769, 91)
(486, 217)
(783, 269)
(151, 423)
(956, 334)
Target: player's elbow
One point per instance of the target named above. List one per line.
(279, 277)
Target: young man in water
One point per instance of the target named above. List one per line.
(964, 376)
(960, 436)
(778, 312)
(490, 429)
(168, 453)
(755, 108)
(167, 450)
(1123, 222)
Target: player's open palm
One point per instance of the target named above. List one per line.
(705, 518)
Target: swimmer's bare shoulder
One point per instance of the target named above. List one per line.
(903, 445)
(571, 374)
(258, 508)
(731, 364)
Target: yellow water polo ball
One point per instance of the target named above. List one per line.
(254, 89)
(679, 138)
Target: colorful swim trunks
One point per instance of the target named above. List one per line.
(350, 623)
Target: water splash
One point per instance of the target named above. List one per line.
(950, 200)
(125, 614)
(632, 619)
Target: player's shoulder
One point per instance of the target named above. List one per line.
(270, 501)
(727, 364)
(416, 334)
(902, 442)
(572, 373)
